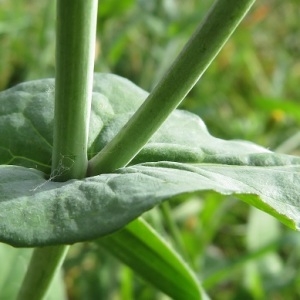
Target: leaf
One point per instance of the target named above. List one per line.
(26, 120)
(36, 212)
(143, 250)
(26, 117)
(27, 112)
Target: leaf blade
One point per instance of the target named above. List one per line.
(143, 250)
(37, 212)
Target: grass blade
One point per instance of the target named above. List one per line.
(140, 247)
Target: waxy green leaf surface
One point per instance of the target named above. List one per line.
(26, 123)
(182, 157)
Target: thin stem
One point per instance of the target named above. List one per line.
(194, 59)
(76, 30)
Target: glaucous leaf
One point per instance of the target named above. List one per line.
(182, 157)
(27, 112)
(36, 212)
(26, 126)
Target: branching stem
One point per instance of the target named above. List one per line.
(186, 70)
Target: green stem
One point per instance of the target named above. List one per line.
(76, 30)
(75, 52)
(43, 265)
(194, 59)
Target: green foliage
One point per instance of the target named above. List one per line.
(151, 255)
(11, 277)
(29, 111)
(250, 92)
(38, 212)
(26, 39)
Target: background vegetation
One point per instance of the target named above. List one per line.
(250, 92)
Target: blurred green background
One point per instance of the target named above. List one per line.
(251, 91)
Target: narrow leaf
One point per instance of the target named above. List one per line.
(142, 249)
